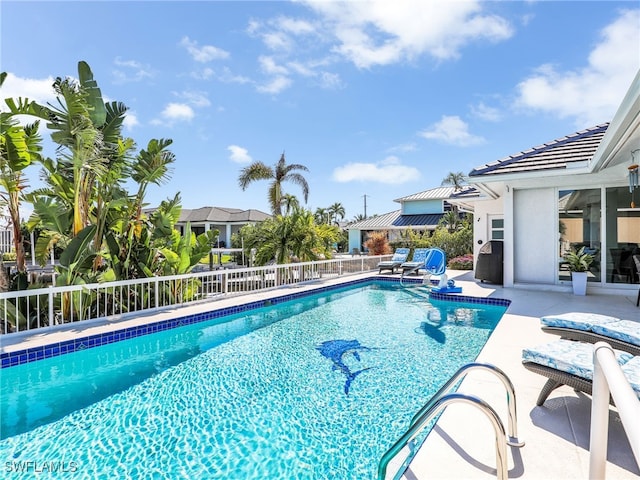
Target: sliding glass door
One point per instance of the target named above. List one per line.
(579, 214)
(611, 234)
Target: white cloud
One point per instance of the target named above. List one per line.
(590, 94)
(130, 120)
(204, 74)
(196, 99)
(330, 80)
(130, 71)
(451, 130)
(389, 171)
(296, 26)
(404, 148)
(275, 85)
(203, 54)
(279, 34)
(239, 154)
(174, 112)
(40, 90)
(485, 112)
(269, 66)
(380, 32)
(277, 41)
(226, 76)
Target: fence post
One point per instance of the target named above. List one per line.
(157, 295)
(50, 297)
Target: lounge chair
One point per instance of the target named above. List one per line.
(567, 362)
(417, 262)
(399, 257)
(590, 327)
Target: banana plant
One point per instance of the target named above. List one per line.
(20, 146)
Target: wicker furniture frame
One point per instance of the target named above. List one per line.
(558, 378)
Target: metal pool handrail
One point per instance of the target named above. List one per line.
(442, 399)
(609, 379)
(512, 419)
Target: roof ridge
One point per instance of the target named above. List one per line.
(540, 148)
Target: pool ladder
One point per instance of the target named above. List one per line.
(443, 399)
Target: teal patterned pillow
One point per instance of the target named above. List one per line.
(631, 370)
(569, 356)
(624, 330)
(577, 320)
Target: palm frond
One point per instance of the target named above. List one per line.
(253, 172)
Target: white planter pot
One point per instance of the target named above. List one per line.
(579, 283)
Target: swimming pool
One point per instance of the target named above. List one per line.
(314, 388)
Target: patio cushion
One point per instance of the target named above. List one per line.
(631, 370)
(624, 330)
(577, 320)
(568, 356)
(400, 255)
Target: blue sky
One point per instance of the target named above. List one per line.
(376, 98)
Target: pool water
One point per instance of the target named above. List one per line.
(310, 389)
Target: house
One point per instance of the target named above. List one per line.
(227, 220)
(420, 212)
(569, 193)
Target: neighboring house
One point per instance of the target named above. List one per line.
(227, 220)
(419, 212)
(6, 241)
(567, 193)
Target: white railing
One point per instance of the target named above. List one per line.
(45, 307)
(609, 379)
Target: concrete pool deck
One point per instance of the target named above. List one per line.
(556, 435)
(462, 446)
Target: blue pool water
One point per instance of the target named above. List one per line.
(315, 388)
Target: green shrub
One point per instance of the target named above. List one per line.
(9, 257)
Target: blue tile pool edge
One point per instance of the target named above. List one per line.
(41, 352)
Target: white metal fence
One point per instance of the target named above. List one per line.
(46, 307)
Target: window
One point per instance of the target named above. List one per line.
(497, 229)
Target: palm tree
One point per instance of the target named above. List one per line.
(278, 174)
(454, 179)
(451, 220)
(290, 203)
(321, 215)
(336, 212)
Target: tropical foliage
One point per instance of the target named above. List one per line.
(578, 261)
(289, 238)
(455, 179)
(456, 243)
(452, 221)
(331, 215)
(20, 146)
(278, 174)
(84, 209)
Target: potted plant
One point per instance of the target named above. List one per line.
(579, 263)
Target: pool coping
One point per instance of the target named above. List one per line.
(54, 341)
